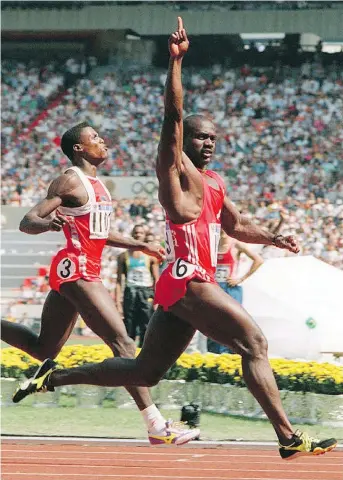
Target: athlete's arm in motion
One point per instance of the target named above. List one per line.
(257, 261)
(151, 249)
(170, 146)
(62, 191)
(243, 229)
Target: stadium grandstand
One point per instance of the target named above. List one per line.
(269, 74)
(276, 97)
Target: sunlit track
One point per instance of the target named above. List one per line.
(87, 462)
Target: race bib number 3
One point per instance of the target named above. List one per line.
(66, 268)
(182, 269)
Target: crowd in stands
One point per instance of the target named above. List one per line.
(316, 223)
(279, 141)
(185, 5)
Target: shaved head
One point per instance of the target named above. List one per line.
(194, 122)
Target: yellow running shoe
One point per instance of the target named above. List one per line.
(175, 433)
(37, 383)
(303, 444)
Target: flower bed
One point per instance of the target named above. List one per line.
(290, 375)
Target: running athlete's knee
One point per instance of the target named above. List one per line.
(258, 345)
(151, 378)
(149, 372)
(123, 347)
(254, 345)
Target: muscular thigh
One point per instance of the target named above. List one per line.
(217, 315)
(58, 320)
(96, 307)
(167, 336)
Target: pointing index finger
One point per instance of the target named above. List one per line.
(179, 23)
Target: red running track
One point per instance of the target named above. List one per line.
(92, 462)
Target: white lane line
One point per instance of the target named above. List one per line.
(154, 451)
(190, 460)
(121, 476)
(191, 469)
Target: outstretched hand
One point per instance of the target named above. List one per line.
(154, 250)
(288, 243)
(178, 41)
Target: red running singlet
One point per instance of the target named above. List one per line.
(225, 266)
(86, 232)
(192, 248)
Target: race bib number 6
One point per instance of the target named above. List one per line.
(66, 268)
(182, 269)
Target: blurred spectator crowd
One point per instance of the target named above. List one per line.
(184, 5)
(279, 140)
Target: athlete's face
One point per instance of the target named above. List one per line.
(138, 234)
(91, 146)
(200, 143)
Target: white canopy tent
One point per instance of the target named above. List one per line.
(284, 293)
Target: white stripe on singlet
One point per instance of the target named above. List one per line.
(190, 244)
(73, 232)
(193, 254)
(192, 234)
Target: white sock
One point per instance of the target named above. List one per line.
(153, 419)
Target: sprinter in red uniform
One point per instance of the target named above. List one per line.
(189, 298)
(82, 206)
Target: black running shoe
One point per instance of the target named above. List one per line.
(303, 444)
(37, 383)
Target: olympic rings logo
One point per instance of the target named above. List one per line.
(144, 187)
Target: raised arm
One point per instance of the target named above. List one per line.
(243, 229)
(170, 146)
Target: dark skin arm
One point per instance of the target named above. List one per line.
(239, 227)
(170, 146)
(68, 191)
(180, 184)
(65, 191)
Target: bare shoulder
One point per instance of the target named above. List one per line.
(65, 185)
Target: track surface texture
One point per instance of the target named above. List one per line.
(63, 461)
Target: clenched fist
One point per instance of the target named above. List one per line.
(288, 243)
